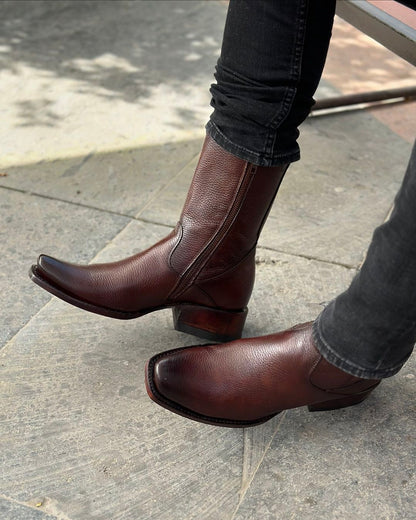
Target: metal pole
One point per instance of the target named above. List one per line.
(404, 94)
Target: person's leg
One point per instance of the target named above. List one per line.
(272, 58)
(365, 334)
(370, 329)
(270, 65)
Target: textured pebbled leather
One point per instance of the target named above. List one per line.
(249, 380)
(208, 259)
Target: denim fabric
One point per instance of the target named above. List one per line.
(370, 329)
(272, 58)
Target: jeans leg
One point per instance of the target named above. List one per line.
(272, 58)
(370, 329)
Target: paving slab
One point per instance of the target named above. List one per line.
(348, 464)
(13, 511)
(123, 182)
(32, 225)
(82, 77)
(344, 186)
(78, 432)
(166, 207)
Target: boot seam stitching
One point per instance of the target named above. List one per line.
(174, 248)
(177, 290)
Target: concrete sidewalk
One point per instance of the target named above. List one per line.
(102, 109)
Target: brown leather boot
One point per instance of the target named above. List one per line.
(204, 268)
(247, 382)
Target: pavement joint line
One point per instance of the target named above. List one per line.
(132, 219)
(14, 501)
(167, 185)
(245, 487)
(87, 206)
(308, 257)
(11, 340)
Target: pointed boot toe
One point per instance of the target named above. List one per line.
(52, 269)
(50, 273)
(64, 280)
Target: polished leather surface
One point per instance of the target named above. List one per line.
(250, 379)
(208, 259)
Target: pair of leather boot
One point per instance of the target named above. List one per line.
(204, 270)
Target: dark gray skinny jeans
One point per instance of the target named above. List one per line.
(271, 62)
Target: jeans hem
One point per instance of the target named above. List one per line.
(245, 154)
(330, 354)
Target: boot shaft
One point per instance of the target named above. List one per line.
(227, 204)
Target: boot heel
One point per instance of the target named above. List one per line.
(208, 323)
(343, 402)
